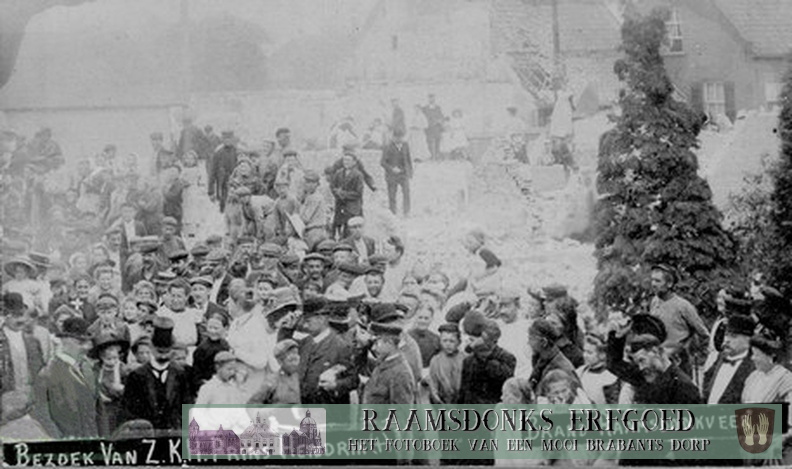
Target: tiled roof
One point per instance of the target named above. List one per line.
(584, 25)
(587, 25)
(766, 24)
(211, 434)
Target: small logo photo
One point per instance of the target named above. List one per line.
(755, 428)
(257, 431)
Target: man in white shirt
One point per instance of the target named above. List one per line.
(724, 381)
(185, 320)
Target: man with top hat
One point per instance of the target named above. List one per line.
(156, 390)
(21, 359)
(314, 211)
(364, 246)
(325, 373)
(221, 166)
(391, 381)
(680, 318)
(66, 390)
(724, 380)
(346, 184)
(488, 366)
(652, 374)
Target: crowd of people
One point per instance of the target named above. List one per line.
(111, 325)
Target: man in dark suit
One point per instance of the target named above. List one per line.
(347, 187)
(724, 380)
(488, 366)
(434, 130)
(397, 163)
(66, 390)
(156, 390)
(326, 374)
(364, 246)
(221, 166)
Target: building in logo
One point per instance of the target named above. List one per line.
(258, 438)
(212, 441)
(306, 440)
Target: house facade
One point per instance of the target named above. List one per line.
(218, 441)
(727, 55)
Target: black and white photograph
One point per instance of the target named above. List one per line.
(448, 202)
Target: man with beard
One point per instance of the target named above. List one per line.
(488, 366)
(655, 378)
(156, 390)
(724, 381)
(682, 322)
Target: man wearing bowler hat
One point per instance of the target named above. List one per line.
(66, 388)
(221, 165)
(325, 373)
(724, 380)
(156, 390)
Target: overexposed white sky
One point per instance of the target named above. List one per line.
(283, 20)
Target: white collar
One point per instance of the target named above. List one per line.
(322, 335)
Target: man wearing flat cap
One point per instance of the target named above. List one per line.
(156, 390)
(66, 390)
(724, 380)
(314, 211)
(488, 366)
(326, 373)
(392, 381)
(282, 387)
(364, 246)
(651, 373)
(221, 166)
(680, 318)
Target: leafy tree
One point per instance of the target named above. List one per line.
(780, 270)
(655, 208)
